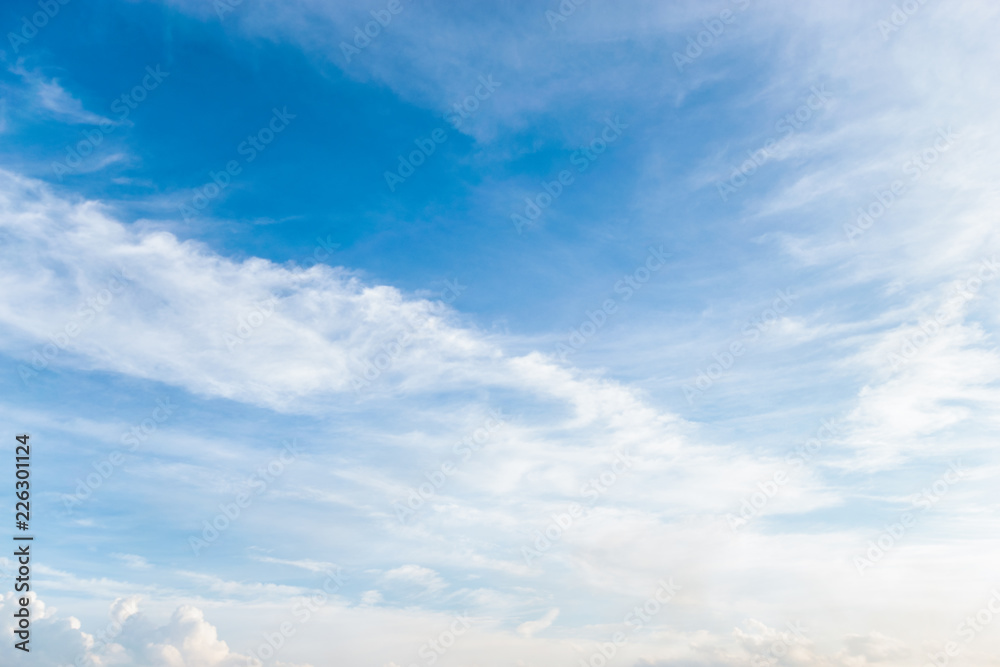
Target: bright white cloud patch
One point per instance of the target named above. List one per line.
(187, 640)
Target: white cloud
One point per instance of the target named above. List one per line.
(529, 629)
(187, 640)
(133, 561)
(50, 96)
(369, 598)
(422, 577)
(184, 304)
(305, 564)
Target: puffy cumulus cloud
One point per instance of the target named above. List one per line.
(189, 640)
(64, 640)
(128, 639)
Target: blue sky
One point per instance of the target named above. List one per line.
(736, 257)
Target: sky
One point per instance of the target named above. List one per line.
(521, 334)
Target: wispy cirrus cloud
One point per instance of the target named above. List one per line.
(50, 97)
